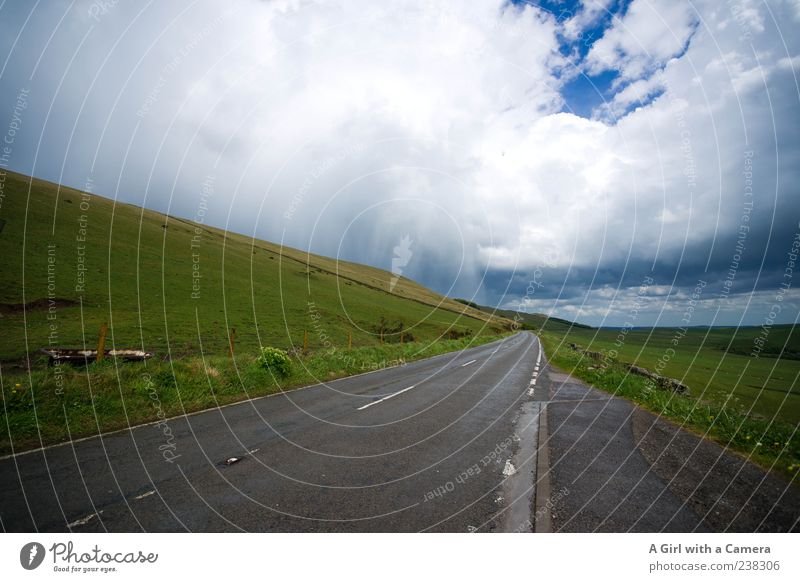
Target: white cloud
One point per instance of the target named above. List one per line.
(589, 14)
(637, 93)
(364, 121)
(650, 33)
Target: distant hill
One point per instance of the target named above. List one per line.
(535, 321)
(71, 261)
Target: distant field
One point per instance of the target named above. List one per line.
(714, 362)
(175, 287)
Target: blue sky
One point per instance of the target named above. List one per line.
(583, 146)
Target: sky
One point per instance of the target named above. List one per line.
(613, 162)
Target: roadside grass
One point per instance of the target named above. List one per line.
(44, 408)
(770, 442)
(716, 363)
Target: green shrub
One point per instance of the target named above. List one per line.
(275, 360)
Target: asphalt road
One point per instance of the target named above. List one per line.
(366, 453)
(488, 439)
(614, 467)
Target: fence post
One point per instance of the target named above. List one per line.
(101, 343)
(231, 340)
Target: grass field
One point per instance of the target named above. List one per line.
(713, 362)
(72, 261)
(175, 287)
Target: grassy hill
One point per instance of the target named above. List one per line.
(71, 262)
(169, 285)
(536, 321)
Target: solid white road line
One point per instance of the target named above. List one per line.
(385, 398)
(468, 363)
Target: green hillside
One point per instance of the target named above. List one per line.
(171, 286)
(536, 321)
(72, 262)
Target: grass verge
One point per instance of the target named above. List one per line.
(773, 444)
(49, 406)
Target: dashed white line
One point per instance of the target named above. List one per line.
(534, 376)
(385, 398)
(143, 495)
(468, 363)
(84, 520)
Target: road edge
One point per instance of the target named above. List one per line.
(542, 519)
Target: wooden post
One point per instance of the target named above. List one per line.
(305, 342)
(101, 343)
(402, 336)
(349, 339)
(231, 340)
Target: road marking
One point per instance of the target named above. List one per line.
(509, 469)
(187, 415)
(385, 398)
(533, 382)
(84, 520)
(468, 363)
